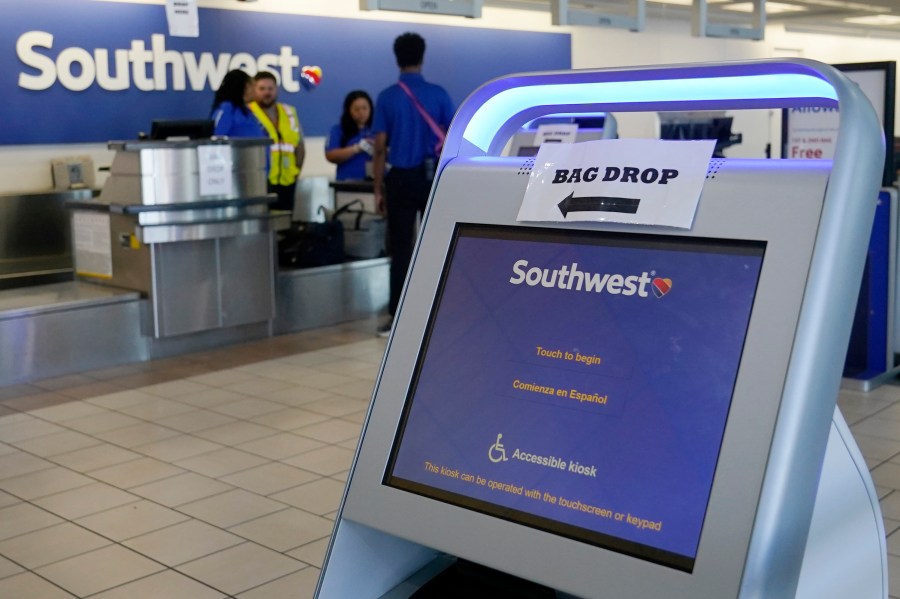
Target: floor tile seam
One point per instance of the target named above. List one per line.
(219, 477)
(246, 542)
(248, 520)
(287, 506)
(47, 580)
(318, 478)
(283, 552)
(879, 463)
(275, 431)
(168, 568)
(120, 543)
(137, 499)
(249, 419)
(140, 498)
(879, 411)
(884, 460)
(11, 574)
(337, 443)
(110, 540)
(146, 389)
(271, 461)
(180, 400)
(87, 472)
(50, 464)
(31, 499)
(180, 505)
(882, 437)
(346, 418)
(95, 479)
(322, 413)
(44, 420)
(288, 457)
(367, 398)
(111, 430)
(172, 461)
(284, 576)
(162, 528)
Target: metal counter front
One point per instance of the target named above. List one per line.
(187, 224)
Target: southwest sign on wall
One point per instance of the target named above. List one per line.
(92, 71)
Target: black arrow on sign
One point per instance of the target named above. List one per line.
(598, 204)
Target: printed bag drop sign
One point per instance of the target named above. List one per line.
(634, 181)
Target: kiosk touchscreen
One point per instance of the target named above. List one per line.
(601, 399)
(598, 409)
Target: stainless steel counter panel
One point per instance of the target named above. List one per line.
(149, 158)
(177, 188)
(70, 327)
(212, 283)
(198, 231)
(30, 301)
(309, 298)
(154, 173)
(160, 217)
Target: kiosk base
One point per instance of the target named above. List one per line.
(462, 578)
(846, 554)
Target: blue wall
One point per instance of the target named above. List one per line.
(53, 97)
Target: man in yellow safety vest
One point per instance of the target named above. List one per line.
(287, 150)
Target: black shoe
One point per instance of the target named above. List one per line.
(385, 329)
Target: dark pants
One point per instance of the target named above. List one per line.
(406, 193)
(285, 199)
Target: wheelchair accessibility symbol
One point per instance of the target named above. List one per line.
(497, 453)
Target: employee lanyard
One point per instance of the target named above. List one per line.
(435, 128)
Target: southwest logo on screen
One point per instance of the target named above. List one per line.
(570, 277)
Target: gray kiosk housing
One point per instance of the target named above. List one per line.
(792, 511)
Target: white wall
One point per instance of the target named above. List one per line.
(26, 168)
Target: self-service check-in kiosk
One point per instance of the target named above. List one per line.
(562, 128)
(587, 408)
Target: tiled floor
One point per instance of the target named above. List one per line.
(217, 474)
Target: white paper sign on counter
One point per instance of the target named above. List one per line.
(215, 170)
(634, 181)
(91, 243)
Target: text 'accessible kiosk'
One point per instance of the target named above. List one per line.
(615, 365)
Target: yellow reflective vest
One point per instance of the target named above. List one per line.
(285, 136)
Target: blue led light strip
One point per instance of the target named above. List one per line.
(498, 109)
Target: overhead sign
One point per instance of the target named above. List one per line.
(636, 181)
(182, 17)
(68, 76)
(456, 8)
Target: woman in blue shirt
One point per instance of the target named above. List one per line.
(230, 114)
(350, 143)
